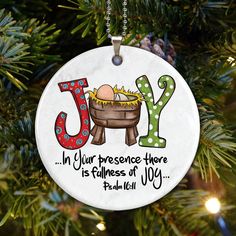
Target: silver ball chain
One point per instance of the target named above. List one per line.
(108, 17)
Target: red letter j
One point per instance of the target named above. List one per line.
(79, 140)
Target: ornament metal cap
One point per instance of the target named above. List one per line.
(116, 41)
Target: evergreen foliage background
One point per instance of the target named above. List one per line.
(37, 37)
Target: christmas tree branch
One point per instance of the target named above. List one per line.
(181, 212)
(155, 16)
(23, 47)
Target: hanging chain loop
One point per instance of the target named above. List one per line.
(108, 17)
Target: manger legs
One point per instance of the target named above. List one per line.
(136, 131)
(94, 130)
(130, 136)
(98, 133)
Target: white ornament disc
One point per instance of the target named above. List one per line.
(117, 137)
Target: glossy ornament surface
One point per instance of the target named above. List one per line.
(125, 145)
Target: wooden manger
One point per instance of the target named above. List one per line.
(115, 115)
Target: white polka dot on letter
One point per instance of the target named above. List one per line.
(150, 140)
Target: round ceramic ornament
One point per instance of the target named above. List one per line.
(117, 137)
